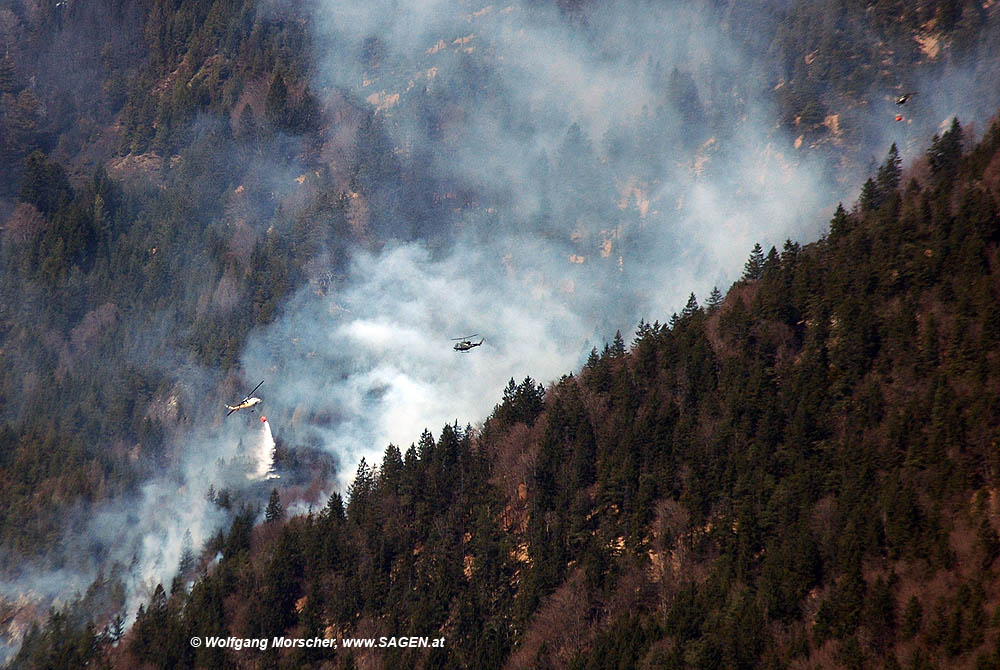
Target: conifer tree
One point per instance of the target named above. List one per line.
(335, 507)
(790, 254)
(618, 345)
(912, 618)
(45, 184)
(641, 332)
(360, 491)
(691, 307)
(187, 555)
(274, 511)
(840, 222)
(714, 300)
(754, 267)
(772, 264)
(425, 446)
(890, 173)
(945, 152)
(392, 467)
(869, 199)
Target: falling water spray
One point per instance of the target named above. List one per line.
(264, 454)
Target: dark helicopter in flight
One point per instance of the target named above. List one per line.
(465, 343)
(248, 402)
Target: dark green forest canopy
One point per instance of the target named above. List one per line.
(806, 470)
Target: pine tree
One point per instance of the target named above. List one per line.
(945, 152)
(392, 467)
(360, 491)
(425, 446)
(790, 255)
(988, 542)
(641, 333)
(187, 556)
(618, 345)
(690, 308)
(840, 223)
(772, 264)
(754, 267)
(509, 391)
(335, 507)
(869, 199)
(274, 511)
(714, 300)
(890, 173)
(912, 618)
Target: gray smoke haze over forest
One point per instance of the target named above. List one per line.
(597, 203)
(595, 169)
(619, 158)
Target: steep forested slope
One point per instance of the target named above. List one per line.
(800, 474)
(115, 278)
(173, 170)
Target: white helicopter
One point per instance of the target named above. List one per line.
(249, 402)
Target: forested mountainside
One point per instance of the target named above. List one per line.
(175, 172)
(117, 277)
(174, 169)
(800, 474)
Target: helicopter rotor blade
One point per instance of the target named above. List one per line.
(465, 338)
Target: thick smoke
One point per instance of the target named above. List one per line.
(373, 364)
(590, 175)
(616, 165)
(141, 541)
(618, 157)
(574, 172)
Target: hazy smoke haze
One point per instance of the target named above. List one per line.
(545, 178)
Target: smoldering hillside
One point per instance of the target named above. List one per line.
(539, 175)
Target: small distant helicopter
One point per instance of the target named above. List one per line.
(248, 402)
(466, 343)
